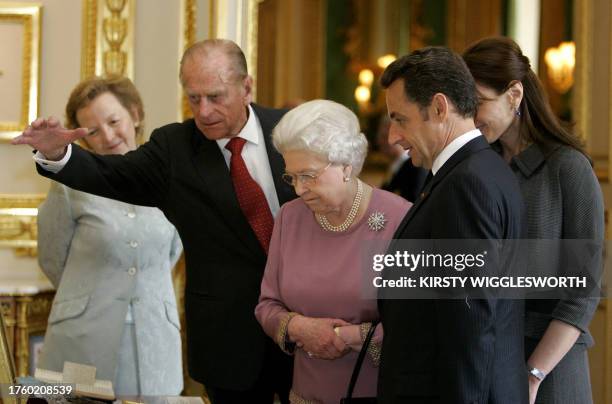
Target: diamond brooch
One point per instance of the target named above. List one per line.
(377, 221)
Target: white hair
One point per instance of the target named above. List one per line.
(325, 128)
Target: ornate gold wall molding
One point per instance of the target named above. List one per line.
(189, 23)
(88, 38)
(609, 391)
(29, 15)
(18, 228)
(188, 28)
(581, 99)
(583, 34)
(25, 314)
(212, 12)
(592, 96)
(7, 366)
(108, 38)
(252, 38)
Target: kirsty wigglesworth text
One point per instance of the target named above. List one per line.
(527, 282)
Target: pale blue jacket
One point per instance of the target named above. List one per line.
(111, 263)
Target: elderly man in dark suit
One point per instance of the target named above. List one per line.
(450, 351)
(217, 178)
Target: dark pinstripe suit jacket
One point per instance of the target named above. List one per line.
(446, 351)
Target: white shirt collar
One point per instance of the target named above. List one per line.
(249, 131)
(452, 148)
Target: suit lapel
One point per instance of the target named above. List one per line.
(472, 146)
(211, 168)
(423, 197)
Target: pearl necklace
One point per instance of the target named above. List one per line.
(326, 225)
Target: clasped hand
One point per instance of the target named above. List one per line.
(49, 137)
(317, 336)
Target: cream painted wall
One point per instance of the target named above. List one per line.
(60, 69)
(156, 60)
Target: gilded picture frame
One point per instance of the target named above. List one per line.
(19, 66)
(18, 224)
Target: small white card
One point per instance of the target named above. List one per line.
(75, 373)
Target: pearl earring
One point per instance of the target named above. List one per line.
(347, 179)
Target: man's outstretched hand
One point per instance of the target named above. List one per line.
(49, 137)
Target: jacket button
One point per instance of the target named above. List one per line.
(133, 244)
(132, 271)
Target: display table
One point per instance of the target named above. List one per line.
(25, 306)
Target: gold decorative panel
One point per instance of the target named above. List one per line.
(189, 32)
(251, 44)
(28, 319)
(18, 223)
(108, 38)
(19, 66)
(7, 367)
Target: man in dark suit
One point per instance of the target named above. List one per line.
(450, 351)
(407, 180)
(217, 178)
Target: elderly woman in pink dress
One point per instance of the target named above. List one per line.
(312, 299)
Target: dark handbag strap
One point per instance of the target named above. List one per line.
(360, 358)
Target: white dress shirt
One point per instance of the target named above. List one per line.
(50, 165)
(452, 148)
(255, 157)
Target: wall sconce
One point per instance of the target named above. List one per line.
(363, 92)
(366, 77)
(385, 61)
(560, 62)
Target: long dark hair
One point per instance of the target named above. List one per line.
(496, 63)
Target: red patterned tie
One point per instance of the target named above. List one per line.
(250, 196)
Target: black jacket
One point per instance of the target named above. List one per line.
(458, 351)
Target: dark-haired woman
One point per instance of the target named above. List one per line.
(563, 201)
